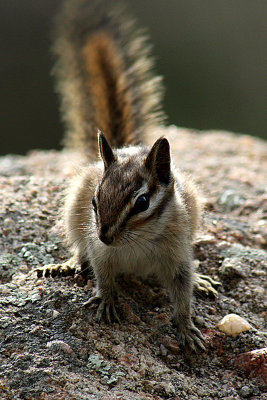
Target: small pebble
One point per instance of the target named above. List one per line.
(56, 345)
(231, 268)
(245, 391)
(223, 245)
(233, 325)
(205, 239)
(163, 350)
(171, 345)
(8, 222)
(200, 321)
(55, 314)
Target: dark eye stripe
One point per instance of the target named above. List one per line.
(157, 212)
(132, 211)
(94, 205)
(123, 193)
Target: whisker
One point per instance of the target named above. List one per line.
(128, 240)
(140, 245)
(152, 244)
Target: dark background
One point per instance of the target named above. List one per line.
(212, 54)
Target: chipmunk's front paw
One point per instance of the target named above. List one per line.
(205, 284)
(188, 335)
(106, 308)
(53, 270)
(68, 268)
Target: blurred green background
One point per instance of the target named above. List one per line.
(211, 53)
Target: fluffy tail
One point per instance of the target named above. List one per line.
(103, 75)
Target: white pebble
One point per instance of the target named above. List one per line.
(233, 325)
(56, 345)
(55, 314)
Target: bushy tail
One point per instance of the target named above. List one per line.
(103, 75)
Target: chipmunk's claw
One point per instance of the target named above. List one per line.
(105, 308)
(204, 284)
(191, 337)
(67, 268)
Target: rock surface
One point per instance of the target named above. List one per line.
(51, 347)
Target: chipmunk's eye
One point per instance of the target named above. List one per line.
(141, 204)
(94, 205)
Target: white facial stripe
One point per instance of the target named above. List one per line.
(140, 192)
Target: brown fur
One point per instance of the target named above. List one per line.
(103, 75)
(113, 104)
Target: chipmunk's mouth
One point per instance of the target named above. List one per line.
(110, 241)
(114, 242)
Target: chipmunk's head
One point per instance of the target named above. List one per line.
(132, 196)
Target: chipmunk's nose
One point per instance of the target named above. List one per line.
(103, 234)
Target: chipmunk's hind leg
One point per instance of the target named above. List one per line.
(68, 268)
(205, 284)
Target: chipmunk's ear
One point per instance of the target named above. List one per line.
(158, 160)
(106, 152)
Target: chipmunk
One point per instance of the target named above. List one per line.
(132, 211)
